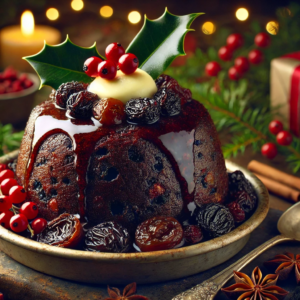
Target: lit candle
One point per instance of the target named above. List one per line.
(24, 40)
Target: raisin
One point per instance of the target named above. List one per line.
(239, 183)
(245, 201)
(108, 237)
(66, 89)
(237, 212)
(79, 105)
(37, 185)
(101, 152)
(109, 111)
(159, 164)
(192, 234)
(142, 111)
(13, 165)
(108, 173)
(134, 155)
(66, 180)
(198, 142)
(158, 233)
(215, 219)
(68, 159)
(169, 101)
(200, 155)
(117, 208)
(53, 180)
(64, 231)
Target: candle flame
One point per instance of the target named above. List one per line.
(27, 23)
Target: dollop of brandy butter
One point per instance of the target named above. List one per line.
(125, 87)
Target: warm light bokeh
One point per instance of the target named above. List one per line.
(134, 17)
(106, 11)
(208, 28)
(242, 14)
(272, 27)
(27, 23)
(77, 5)
(52, 14)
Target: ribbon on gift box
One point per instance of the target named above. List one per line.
(295, 96)
(285, 88)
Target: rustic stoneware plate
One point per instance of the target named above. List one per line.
(149, 267)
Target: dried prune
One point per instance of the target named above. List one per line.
(66, 89)
(65, 231)
(109, 111)
(215, 219)
(79, 105)
(239, 183)
(158, 233)
(244, 200)
(169, 101)
(237, 212)
(192, 234)
(142, 111)
(108, 237)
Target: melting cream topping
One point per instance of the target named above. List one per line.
(125, 87)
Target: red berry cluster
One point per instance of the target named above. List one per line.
(116, 58)
(241, 63)
(10, 82)
(283, 138)
(12, 193)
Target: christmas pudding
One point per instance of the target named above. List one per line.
(120, 155)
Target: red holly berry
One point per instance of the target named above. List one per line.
(17, 194)
(90, 66)
(262, 40)
(114, 51)
(3, 167)
(7, 184)
(225, 53)
(234, 74)
(6, 174)
(29, 209)
(237, 212)
(107, 69)
(212, 68)
(18, 223)
(242, 65)
(284, 138)
(269, 150)
(38, 225)
(5, 219)
(235, 41)
(255, 56)
(275, 127)
(5, 203)
(128, 63)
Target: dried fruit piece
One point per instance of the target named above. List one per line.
(142, 111)
(158, 233)
(237, 212)
(64, 231)
(244, 200)
(79, 105)
(192, 234)
(109, 111)
(66, 89)
(108, 237)
(215, 219)
(169, 101)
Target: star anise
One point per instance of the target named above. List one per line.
(128, 293)
(287, 262)
(255, 288)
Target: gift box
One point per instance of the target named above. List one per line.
(285, 89)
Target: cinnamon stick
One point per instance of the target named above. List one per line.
(274, 174)
(9, 157)
(280, 189)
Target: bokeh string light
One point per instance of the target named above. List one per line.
(208, 28)
(77, 5)
(134, 17)
(52, 14)
(242, 14)
(272, 27)
(106, 11)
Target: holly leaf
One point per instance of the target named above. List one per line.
(62, 63)
(160, 41)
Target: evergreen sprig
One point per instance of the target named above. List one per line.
(9, 140)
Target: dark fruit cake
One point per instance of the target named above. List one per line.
(126, 173)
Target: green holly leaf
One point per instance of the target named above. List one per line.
(62, 63)
(160, 41)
